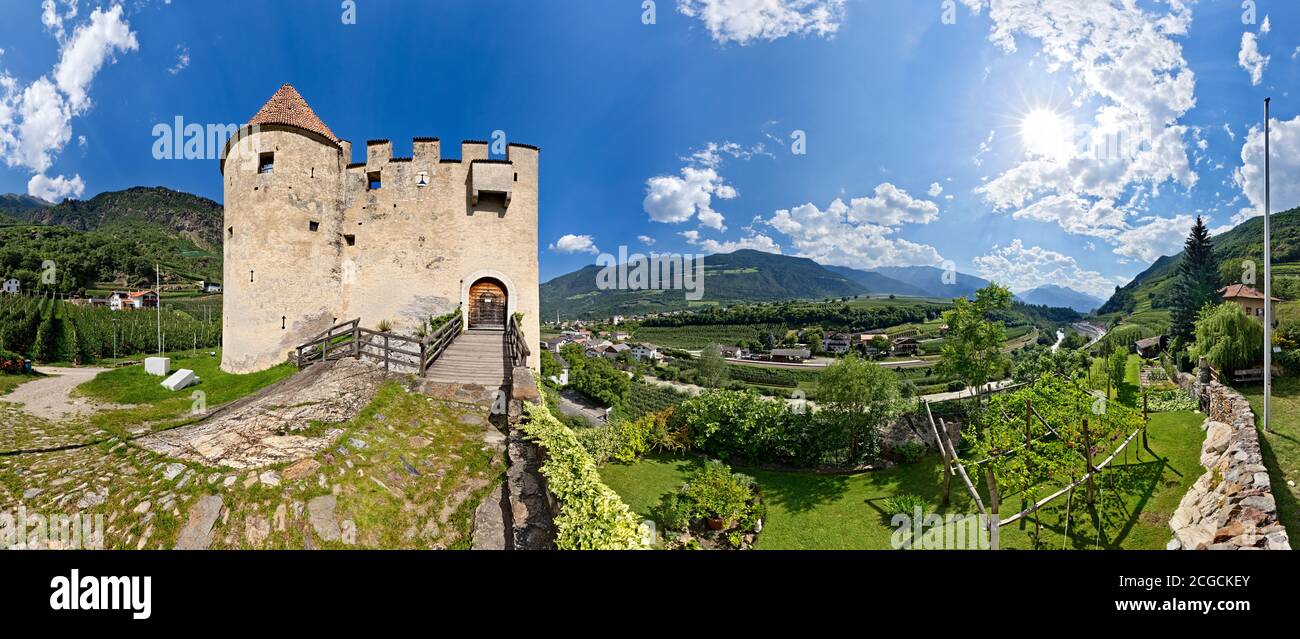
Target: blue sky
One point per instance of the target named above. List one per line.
(934, 132)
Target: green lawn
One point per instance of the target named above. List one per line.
(811, 511)
(159, 407)
(1281, 448)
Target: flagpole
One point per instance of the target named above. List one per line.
(157, 278)
(1268, 278)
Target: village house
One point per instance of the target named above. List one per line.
(563, 378)
(646, 352)
(838, 343)
(906, 346)
(790, 354)
(1150, 347)
(733, 352)
(1250, 300)
(873, 344)
(612, 351)
(133, 301)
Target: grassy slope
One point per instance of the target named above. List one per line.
(1281, 447)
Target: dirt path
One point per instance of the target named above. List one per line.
(49, 397)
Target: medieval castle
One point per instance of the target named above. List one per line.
(312, 238)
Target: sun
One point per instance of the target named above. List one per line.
(1044, 132)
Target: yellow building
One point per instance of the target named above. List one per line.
(1251, 300)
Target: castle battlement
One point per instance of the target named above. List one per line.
(312, 236)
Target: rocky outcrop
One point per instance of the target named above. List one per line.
(1231, 506)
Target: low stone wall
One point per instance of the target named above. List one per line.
(1231, 506)
(532, 506)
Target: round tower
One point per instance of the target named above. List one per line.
(283, 237)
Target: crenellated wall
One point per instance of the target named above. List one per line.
(324, 246)
(1231, 506)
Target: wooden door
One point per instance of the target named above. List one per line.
(487, 303)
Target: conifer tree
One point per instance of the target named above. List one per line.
(1196, 286)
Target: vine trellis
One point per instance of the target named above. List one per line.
(1057, 438)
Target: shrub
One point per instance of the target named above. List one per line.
(674, 512)
(908, 452)
(717, 492)
(904, 504)
(592, 516)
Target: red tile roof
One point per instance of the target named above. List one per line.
(287, 107)
(1242, 291)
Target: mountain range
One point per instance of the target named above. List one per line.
(754, 276)
(1060, 296)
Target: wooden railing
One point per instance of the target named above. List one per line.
(433, 346)
(350, 339)
(516, 343)
(339, 338)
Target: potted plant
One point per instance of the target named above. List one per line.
(719, 496)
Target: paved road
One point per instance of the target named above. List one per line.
(49, 397)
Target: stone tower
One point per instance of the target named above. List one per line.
(312, 238)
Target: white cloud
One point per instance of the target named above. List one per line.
(1022, 268)
(182, 60)
(1227, 128)
(36, 119)
(1157, 237)
(1265, 27)
(646, 239)
(756, 241)
(985, 147)
(84, 54)
(859, 233)
(1284, 146)
(53, 20)
(1126, 61)
(55, 189)
(742, 21)
(1250, 58)
(672, 199)
(574, 244)
(935, 189)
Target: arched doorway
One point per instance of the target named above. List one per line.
(487, 303)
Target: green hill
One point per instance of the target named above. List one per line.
(1150, 294)
(113, 237)
(185, 215)
(742, 276)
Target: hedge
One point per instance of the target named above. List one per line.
(592, 516)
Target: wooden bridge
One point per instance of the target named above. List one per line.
(482, 356)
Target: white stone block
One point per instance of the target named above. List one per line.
(159, 366)
(180, 379)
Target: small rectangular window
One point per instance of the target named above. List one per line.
(350, 239)
(373, 183)
(313, 226)
(265, 162)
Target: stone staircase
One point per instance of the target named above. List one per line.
(478, 356)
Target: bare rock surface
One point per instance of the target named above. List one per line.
(262, 430)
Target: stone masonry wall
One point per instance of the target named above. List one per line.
(1231, 506)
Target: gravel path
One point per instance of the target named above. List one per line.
(49, 397)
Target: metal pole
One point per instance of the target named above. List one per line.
(1268, 278)
(157, 277)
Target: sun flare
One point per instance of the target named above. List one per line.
(1044, 132)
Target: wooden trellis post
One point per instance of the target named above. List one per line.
(994, 525)
(1087, 455)
(943, 450)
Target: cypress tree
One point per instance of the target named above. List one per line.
(1197, 285)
